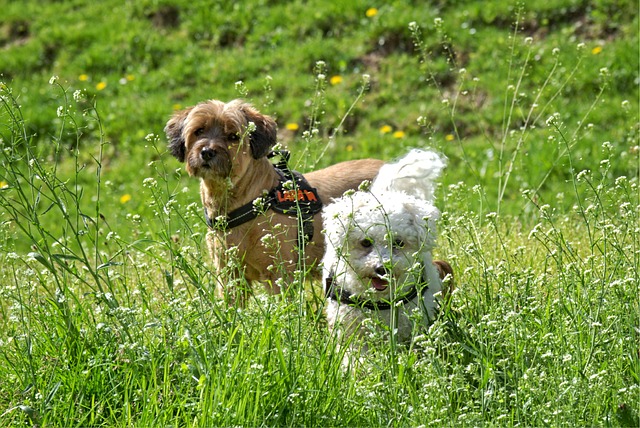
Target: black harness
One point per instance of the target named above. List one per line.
(293, 196)
(346, 298)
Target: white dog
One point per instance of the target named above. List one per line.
(378, 264)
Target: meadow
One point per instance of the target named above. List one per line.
(107, 312)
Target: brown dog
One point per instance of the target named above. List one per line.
(225, 145)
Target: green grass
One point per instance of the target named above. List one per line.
(107, 313)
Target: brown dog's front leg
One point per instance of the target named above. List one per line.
(230, 282)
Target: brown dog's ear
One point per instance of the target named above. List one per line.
(265, 135)
(173, 129)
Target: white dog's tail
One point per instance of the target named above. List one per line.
(415, 174)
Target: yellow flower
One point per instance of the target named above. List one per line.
(335, 80)
(125, 198)
(449, 137)
(596, 50)
(3, 184)
(371, 12)
(100, 86)
(398, 134)
(83, 77)
(130, 77)
(385, 129)
(292, 126)
(349, 148)
(176, 106)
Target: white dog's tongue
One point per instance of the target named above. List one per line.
(379, 283)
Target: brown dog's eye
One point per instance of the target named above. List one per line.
(398, 243)
(198, 132)
(233, 136)
(366, 243)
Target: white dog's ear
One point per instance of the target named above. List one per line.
(335, 217)
(425, 216)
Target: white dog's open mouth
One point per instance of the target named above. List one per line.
(379, 283)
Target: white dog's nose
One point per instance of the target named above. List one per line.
(382, 270)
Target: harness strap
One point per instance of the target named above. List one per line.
(293, 196)
(346, 298)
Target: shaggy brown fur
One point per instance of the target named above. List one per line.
(228, 155)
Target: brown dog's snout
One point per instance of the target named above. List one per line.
(207, 154)
(208, 159)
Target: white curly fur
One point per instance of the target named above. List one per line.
(415, 174)
(379, 245)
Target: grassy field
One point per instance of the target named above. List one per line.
(107, 313)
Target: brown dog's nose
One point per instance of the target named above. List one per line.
(207, 154)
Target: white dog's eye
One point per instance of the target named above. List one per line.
(233, 136)
(366, 242)
(398, 243)
(198, 132)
